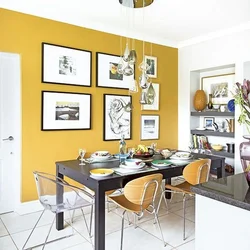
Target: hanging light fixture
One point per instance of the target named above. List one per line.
(128, 59)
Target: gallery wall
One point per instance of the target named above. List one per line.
(24, 34)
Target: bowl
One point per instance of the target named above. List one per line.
(132, 162)
(144, 155)
(216, 106)
(217, 147)
(166, 153)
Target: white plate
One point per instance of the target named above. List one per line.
(200, 128)
(97, 157)
(179, 162)
(101, 172)
(178, 158)
(163, 164)
(141, 165)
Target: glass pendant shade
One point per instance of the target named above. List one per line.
(132, 56)
(126, 54)
(150, 94)
(143, 66)
(128, 107)
(128, 71)
(133, 86)
(120, 66)
(143, 80)
(143, 99)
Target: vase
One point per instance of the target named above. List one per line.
(210, 104)
(200, 100)
(245, 156)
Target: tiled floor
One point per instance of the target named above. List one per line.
(14, 230)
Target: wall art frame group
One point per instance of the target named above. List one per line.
(107, 75)
(66, 65)
(117, 120)
(65, 111)
(150, 125)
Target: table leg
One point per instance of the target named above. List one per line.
(59, 199)
(168, 194)
(99, 219)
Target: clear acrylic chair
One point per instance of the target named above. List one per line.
(139, 196)
(72, 199)
(194, 173)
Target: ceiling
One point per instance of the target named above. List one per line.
(175, 23)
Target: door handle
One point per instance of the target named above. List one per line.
(10, 138)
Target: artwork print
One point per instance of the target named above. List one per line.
(67, 65)
(117, 120)
(67, 110)
(149, 127)
(113, 73)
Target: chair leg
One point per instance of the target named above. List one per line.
(73, 215)
(184, 216)
(129, 222)
(122, 230)
(49, 232)
(135, 223)
(33, 229)
(86, 223)
(91, 219)
(159, 226)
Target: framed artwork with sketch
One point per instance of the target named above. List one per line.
(117, 120)
(107, 73)
(66, 65)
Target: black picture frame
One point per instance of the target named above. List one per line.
(150, 127)
(65, 111)
(66, 65)
(117, 121)
(106, 77)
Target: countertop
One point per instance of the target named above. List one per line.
(233, 190)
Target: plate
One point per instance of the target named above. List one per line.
(200, 128)
(140, 166)
(231, 105)
(101, 172)
(181, 156)
(160, 163)
(100, 157)
(179, 162)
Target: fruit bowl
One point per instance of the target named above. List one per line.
(144, 155)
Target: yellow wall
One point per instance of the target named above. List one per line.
(23, 34)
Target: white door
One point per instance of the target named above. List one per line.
(10, 132)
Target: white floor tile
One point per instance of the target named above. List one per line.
(6, 243)
(187, 246)
(190, 213)
(83, 246)
(172, 228)
(3, 231)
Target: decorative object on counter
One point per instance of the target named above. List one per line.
(230, 147)
(117, 119)
(215, 127)
(66, 65)
(108, 75)
(210, 104)
(222, 108)
(65, 111)
(200, 100)
(216, 107)
(231, 105)
(122, 150)
(231, 125)
(208, 122)
(81, 153)
(220, 86)
(150, 127)
(217, 147)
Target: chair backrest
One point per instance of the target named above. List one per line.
(142, 191)
(197, 172)
(46, 189)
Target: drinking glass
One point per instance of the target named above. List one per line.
(81, 153)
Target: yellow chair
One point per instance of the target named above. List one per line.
(139, 196)
(194, 173)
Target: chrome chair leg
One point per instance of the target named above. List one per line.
(33, 229)
(91, 219)
(122, 230)
(184, 216)
(159, 226)
(49, 232)
(135, 223)
(129, 222)
(86, 224)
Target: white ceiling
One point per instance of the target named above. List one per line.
(174, 23)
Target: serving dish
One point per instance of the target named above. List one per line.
(160, 163)
(135, 167)
(101, 172)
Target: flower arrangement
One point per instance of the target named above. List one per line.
(242, 98)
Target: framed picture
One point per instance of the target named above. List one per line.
(65, 65)
(220, 86)
(208, 122)
(152, 63)
(150, 127)
(155, 105)
(117, 121)
(107, 74)
(65, 111)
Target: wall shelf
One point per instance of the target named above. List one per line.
(212, 133)
(223, 153)
(212, 113)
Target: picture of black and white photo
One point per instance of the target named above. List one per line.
(67, 65)
(67, 110)
(152, 66)
(113, 74)
(117, 119)
(149, 127)
(219, 90)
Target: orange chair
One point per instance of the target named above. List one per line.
(194, 173)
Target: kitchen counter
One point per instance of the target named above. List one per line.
(222, 214)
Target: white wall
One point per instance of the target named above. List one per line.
(228, 50)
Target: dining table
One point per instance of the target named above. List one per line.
(81, 174)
